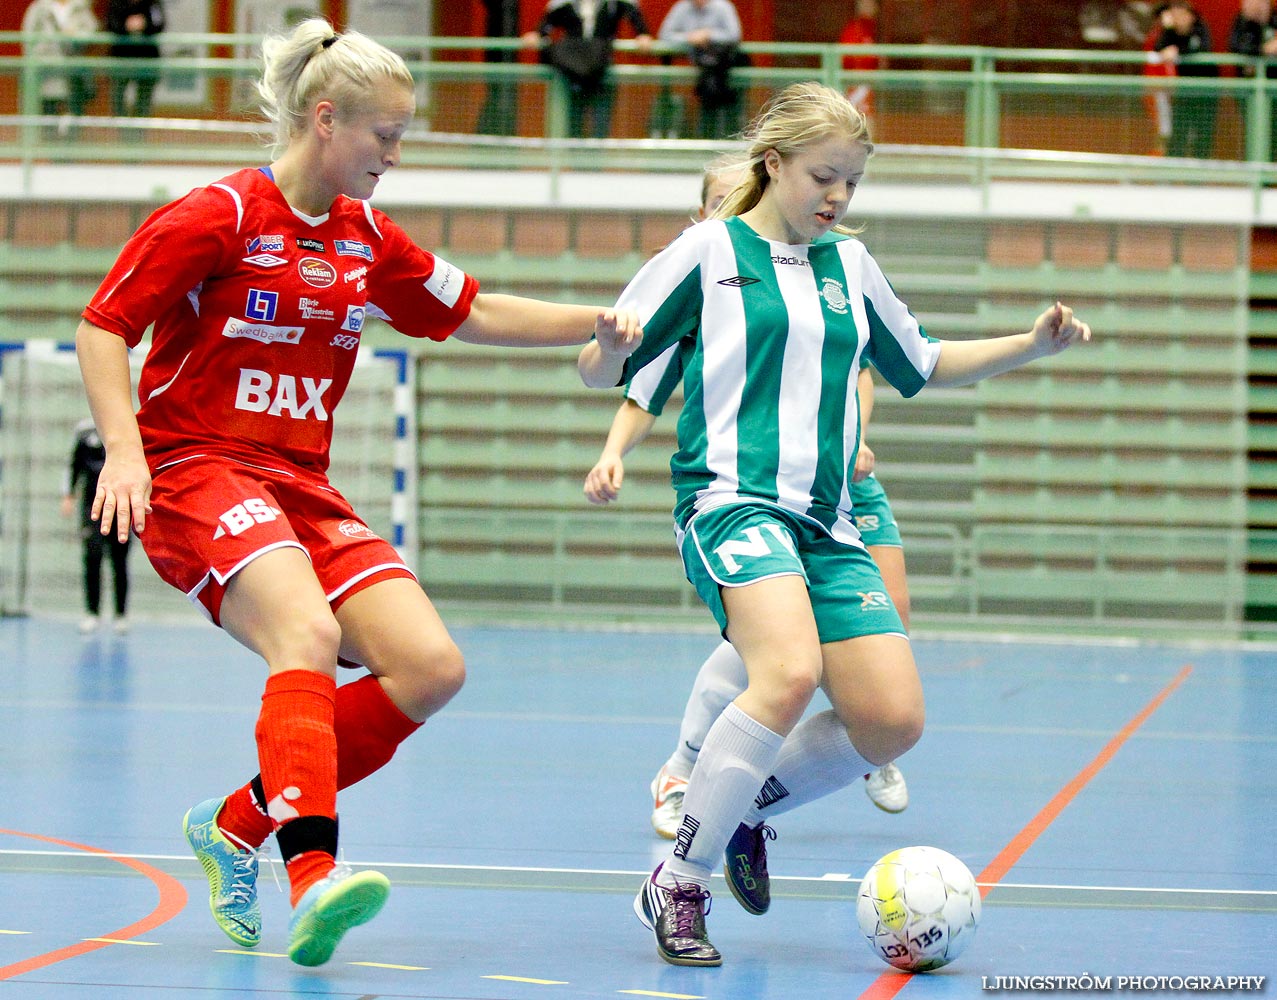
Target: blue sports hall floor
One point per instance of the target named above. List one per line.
(1117, 800)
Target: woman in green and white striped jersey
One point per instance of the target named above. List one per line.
(773, 305)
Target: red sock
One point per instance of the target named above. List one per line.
(297, 751)
(369, 728)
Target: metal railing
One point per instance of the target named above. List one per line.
(482, 100)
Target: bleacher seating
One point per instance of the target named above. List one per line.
(1109, 484)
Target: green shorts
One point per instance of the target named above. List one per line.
(744, 543)
(872, 513)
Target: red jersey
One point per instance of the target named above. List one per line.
(258, 312)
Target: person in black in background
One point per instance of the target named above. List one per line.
(1254, 33)
(135, 23)
(581, 51)
(87, 456)
(1183, 41)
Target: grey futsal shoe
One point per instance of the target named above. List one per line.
(677, 918)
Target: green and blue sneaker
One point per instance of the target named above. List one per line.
(341, 900)
(231, 873)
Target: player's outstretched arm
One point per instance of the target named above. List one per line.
(123, 496)
(514, 321)
(967, 361)
(602, 361)
(630, 426)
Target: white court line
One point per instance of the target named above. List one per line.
(186, 861)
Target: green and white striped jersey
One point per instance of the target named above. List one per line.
(771, 338)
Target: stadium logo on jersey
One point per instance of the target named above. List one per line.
(238, 329)
(317, 272)
(792, 261)
(356, 529)
(261, 305)
(834, 295)
(310, 310)
(306, 243)
(874, 600)
(740, 281)
(265, 260)
(353, 248)
(267, 244)
(277, 395)
(354, 319)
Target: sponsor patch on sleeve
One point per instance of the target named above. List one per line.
(446, 282)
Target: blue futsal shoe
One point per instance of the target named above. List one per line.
(231, 872)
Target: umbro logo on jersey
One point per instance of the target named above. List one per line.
(265, 260)
(740, 281)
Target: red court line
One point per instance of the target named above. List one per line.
(888, 984)
(172, 901)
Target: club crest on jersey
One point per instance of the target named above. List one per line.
(355, 316)
(740, 281)
(317, 272)
(834, 295)
(353, 248)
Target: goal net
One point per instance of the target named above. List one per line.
(41, 402)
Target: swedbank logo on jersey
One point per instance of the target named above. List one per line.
(317, 272)
(835, 297)
(265, 333)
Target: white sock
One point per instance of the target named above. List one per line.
(737, 755)
(816, 759)
(721, 678)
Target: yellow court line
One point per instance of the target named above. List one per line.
(671, 996)
(250, 954)
(383, 965)
(141, 944)
(537, 982)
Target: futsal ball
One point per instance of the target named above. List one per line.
(918, 908)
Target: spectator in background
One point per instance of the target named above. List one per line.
(1254, 33)
(1184, 40)
(580, 35)
(53, 23)
(861, 30)
(1157, 98)
(135, 23)
(88, 455)
(711, 31)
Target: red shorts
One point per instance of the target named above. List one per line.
(210, 517)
